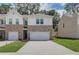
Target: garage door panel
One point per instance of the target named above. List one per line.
(39, 35)
(13, 36)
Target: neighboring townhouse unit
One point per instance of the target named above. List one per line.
(14, 26)
(69, 26)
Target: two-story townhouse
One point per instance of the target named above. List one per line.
(14, 26)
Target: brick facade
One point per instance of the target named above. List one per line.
(41, 28)
(14, 28)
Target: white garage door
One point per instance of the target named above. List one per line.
(39, 35)
(13, 36)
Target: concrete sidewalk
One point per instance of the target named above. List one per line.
(5, 42)
(44, 48)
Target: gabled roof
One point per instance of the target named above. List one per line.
(15, 11)
(36, 15)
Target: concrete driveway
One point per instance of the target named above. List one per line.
(43, 48)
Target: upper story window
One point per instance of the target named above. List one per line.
(4, 21)
(1, 21)
(17, 21)
(39, 21)
(25, 22)
(63, 25)
(10, 21)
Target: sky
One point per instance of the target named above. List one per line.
(59, 7)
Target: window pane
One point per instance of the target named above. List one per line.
(37, 21)
(41, 21)
(17, 21)
(4, 21)
(10, 21)
(1, 21)
(25, 21)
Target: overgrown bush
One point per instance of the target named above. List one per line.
(1, 38)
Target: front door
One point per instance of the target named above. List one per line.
(25, 34)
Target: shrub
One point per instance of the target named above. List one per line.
(1, 38)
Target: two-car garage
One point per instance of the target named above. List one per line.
(33, 36)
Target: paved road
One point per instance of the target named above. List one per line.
(43, 48)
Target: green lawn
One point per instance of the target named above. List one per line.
(70, 43)
(12, 47)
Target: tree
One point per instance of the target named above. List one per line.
(51, 12)
(4, 8)
(43, 11)
(72, 7)
(27, 8)
(55, 19)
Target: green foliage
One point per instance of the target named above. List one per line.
(72, 7)
(51, 12)
(12, 47)
(1, 38)
(4, 8)
(27, 8)
(71, 43)
(55, 19)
